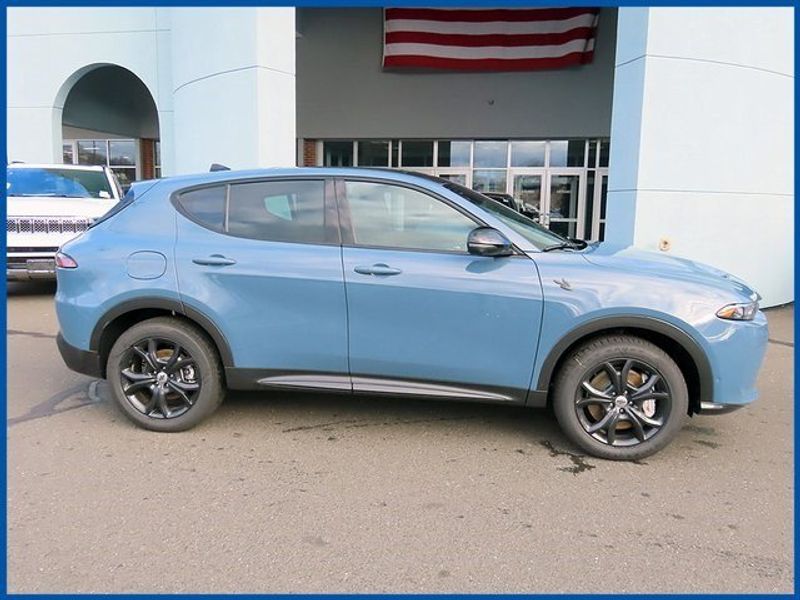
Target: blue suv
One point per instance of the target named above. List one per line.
(388, 282)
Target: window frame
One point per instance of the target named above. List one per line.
(346, 225)
(331, 228)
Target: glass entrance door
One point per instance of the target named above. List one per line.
(553, 199)
(526, 189)
(564, 204)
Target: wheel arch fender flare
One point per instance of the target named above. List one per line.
(163, 304)
(613, 324)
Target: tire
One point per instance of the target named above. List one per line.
(190, 388)
(586, 414)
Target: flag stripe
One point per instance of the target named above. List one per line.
(485, 28)
(522, 64)
(488, 39)
(448, 39)
(489, 52)
(482, 15)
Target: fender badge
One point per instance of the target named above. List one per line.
(563, 284)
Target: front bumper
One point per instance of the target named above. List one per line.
(27, 267)
(82, 361)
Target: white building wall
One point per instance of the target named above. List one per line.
(702, 139)
(222, 79)
(49, 49)
(234, 80)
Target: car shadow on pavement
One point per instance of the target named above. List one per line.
(302, 412)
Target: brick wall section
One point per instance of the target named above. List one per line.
(147, 148)
(309, 153)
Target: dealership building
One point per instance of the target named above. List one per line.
(674, 134)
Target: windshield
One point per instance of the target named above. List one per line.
(58, 183)
(537, 235)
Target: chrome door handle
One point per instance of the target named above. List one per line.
(215, 260)
(377, 269)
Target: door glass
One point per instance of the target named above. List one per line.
(281, 211)
(564, 204)
(397, 217)
(528, 192)
(489, 181)
(459, 178)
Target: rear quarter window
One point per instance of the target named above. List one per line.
(206, 206)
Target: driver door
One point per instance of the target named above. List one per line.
(425, 316)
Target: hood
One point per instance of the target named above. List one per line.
(632, 259)
(48, 206)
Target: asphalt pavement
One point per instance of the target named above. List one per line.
(281, 492)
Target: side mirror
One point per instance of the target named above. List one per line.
(486, 241)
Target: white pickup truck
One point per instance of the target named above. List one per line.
(48, 205)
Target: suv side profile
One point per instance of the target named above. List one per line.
(387, 282)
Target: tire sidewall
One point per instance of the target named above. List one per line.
(206, 361)
(597, 352)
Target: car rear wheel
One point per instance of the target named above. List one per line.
(165, 374)
(620, 397)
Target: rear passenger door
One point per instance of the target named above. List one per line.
(262, 260)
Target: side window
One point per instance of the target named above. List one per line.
(278, 211)
(400, 217)
(206, 206)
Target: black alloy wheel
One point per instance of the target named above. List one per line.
(620, 397)
(162, 378)
(622, 402)
(165, 374)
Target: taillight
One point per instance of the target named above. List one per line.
(65, 261)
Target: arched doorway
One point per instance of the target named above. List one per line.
(110, 118)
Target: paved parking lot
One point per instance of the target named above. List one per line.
(281, 492)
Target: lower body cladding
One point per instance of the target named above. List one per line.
(88, 363)
(27, 266)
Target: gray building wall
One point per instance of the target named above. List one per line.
(342, 91)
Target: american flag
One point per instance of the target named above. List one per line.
(488, 39)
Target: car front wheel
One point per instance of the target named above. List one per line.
(165, 374)
(620, 397)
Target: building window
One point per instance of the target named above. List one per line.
(573, 202)
(157, 159)
(570, 153)
(416, 153)
(93, 152)
(491, 154)
(122, 155)
(338, 154)
(454, 154)
(373, 153)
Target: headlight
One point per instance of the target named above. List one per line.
(739, 312)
